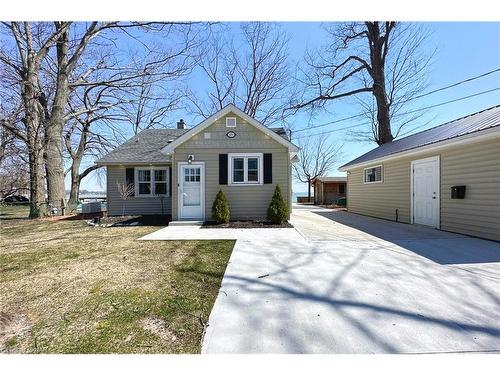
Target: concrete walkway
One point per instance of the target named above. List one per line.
(343, 283)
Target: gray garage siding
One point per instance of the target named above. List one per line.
(133, 205)
(245, 202)
(475, 165)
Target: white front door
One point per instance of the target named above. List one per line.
(425, 199)
(191, 191)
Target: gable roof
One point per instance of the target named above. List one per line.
(144, 148)
(168, 149)
(474, 124)
(330, 179)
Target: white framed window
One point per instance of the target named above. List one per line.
(373, 175)
(230, 122)
(152, 181)
(245, 169)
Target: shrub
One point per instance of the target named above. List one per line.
(277, 213)
(220, 208)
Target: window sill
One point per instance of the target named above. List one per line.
(151, 196)
(245, 184)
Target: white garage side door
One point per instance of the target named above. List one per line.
(425, 191)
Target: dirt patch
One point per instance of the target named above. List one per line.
(11, 327)
(246, 224)
(158, 327)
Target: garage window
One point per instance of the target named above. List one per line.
(373, 175)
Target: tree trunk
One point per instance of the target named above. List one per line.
(377, 58)
(33, 121)
(309, 190)
(54, 164)
(54, 130)
(75, 185)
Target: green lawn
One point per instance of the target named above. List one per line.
(66, 287)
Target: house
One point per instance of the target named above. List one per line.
(327, 190)
(446, 177)
(178, 172)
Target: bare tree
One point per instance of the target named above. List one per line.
(125, 191)
(14, 174)
(254, 75)
(384, 59)
(21, 65)
(48, 61)
(317, 156)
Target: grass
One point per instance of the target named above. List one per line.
(66, 287)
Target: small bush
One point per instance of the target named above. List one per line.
(277, 213)
(220, 208)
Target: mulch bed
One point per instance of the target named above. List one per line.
(132, 221)
(246, 225)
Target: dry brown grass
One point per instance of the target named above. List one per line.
(71, 288)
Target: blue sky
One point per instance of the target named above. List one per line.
(463, 50)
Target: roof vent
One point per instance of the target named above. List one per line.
(181, 124)
(170, 141)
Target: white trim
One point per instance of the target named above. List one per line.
(151, 181)
(202, 188)
(381, 174)
(169, 149)
(231, 118)
(230, 176)
(481, 135)
(438, 208)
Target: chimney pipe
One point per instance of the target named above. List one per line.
(181, 124)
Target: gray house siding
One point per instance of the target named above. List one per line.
(474, 165)
(133, 205)
(245, 202)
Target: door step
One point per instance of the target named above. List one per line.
(185, 223)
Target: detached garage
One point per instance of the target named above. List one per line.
(446, 177)
(328, 190)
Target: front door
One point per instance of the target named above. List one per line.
(191, 191)
(425, 174)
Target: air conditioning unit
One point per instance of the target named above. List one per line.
(91, 207)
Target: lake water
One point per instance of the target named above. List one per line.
(299, 194)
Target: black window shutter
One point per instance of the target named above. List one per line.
(222, 169)
(268, 168)
(130, 179)
(170, 181)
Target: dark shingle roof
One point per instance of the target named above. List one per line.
(332, 179)
(473, 123)
(145, 147)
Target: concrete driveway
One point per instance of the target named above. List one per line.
(343, 283)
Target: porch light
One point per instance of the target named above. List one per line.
(190, 159)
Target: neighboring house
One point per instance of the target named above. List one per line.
(446, 177)
(328, 189)
(178, 172)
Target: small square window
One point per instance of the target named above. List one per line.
(151, 182)
(230, 122)
(245, 169)
(373, 175)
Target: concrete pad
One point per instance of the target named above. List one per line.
(366, 286)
